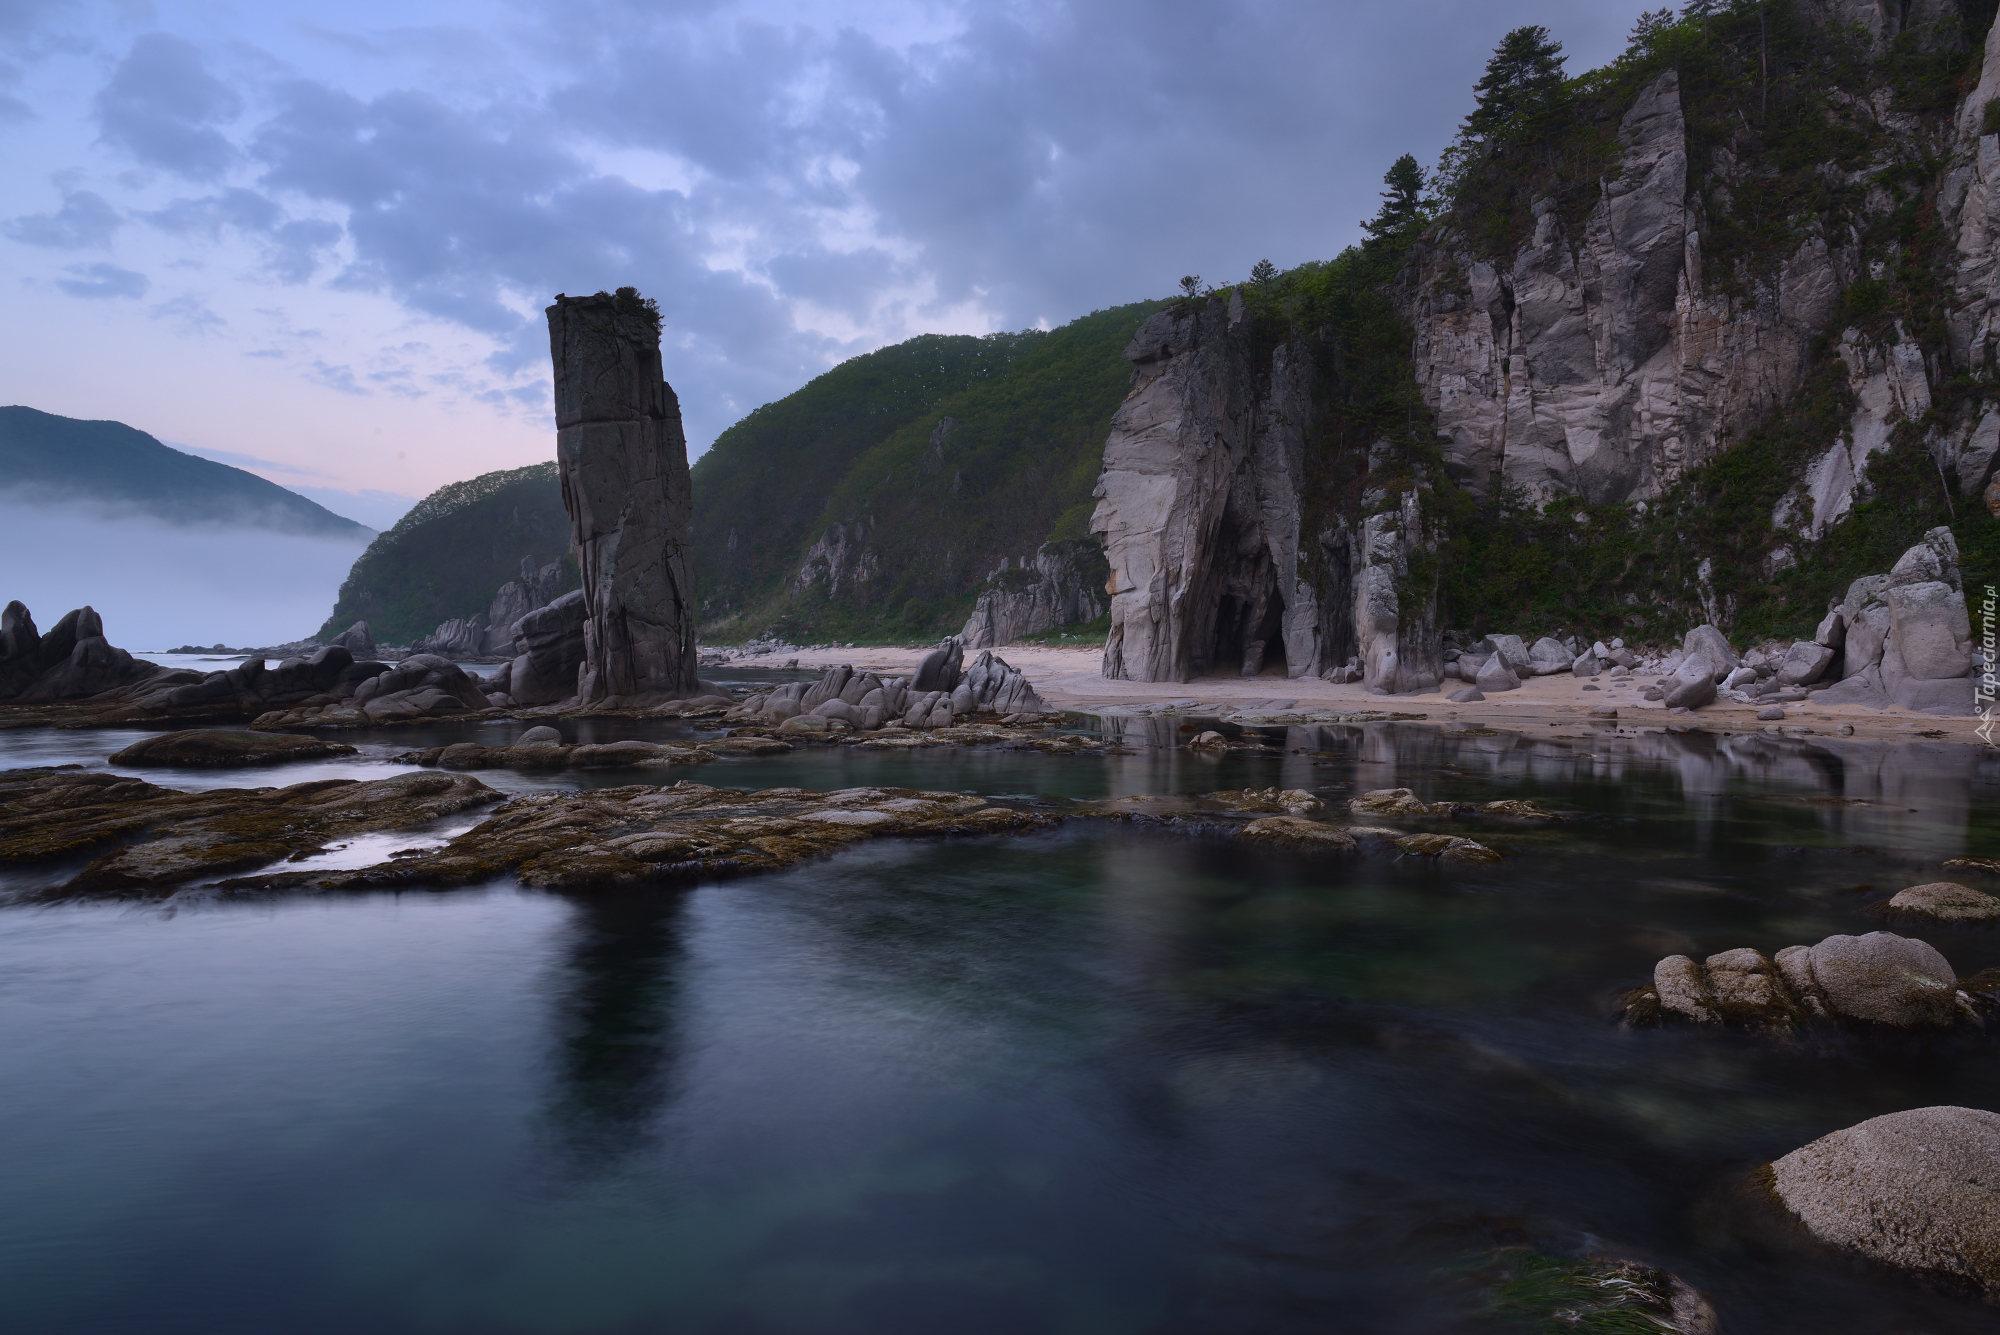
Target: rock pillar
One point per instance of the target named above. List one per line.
(623, 459)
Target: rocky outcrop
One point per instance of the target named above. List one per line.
(1201, 511)
(840, 557)
(1905, 637)
(212, 747)
(1878, 979)
(550, 641)
(1944, 901)
(623, 458)
(357, 640)
(73, 661)
(1913, 1189)
(939, 696)
(1062, 586)
(536, 589)
(1596, 361)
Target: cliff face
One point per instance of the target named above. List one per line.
(1598, 361)
(1201, 507)
(1062, 586)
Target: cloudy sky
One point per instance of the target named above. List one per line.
(316, 240)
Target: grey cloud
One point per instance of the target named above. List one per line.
(84, 219)
(245, 210)
(103, 280)
(162, 106)
(190, 313)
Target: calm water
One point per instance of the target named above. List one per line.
(1112, 1078)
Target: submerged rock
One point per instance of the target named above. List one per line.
(1915, 1190)
(1946, 901)
(544, 755)
(219, 747)
(1448, 847)
(1298, 832)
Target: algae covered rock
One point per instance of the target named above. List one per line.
(1298, 832)
(204, 746)
(1918, 1190)
(1878, 979)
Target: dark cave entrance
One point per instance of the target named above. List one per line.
(1249, 628)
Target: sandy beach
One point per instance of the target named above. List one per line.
(1071, 678)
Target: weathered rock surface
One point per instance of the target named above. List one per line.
(216, 747)
(73, 661)
(636, 834)
(623, 457)
(1878, 979)
(1946, 901)
(600, 755)
(941, 696)
(176, 837)
(1298, 832)
(1062, 586)
(1202, 519)
(1907, 637)
(550, 644)
(1918, 1190)
(1598, 362)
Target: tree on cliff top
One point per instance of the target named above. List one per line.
(1403, 212)
(1524, 77)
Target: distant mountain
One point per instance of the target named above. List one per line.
(114, 464)
(875, 501)
(451, 553)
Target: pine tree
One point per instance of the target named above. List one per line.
(1402, 202)
(1264, 274)
(1525, 75)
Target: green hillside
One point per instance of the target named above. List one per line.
(109, 462)
(451, 553)
(1029, 414)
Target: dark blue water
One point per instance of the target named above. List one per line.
(1110, 1078)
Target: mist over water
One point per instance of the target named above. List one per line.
(159, 584)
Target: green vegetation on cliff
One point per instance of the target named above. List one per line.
(936, 457)
(451, 553)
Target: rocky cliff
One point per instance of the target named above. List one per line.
(1064, 585)
(623, 458)
(1202, 507)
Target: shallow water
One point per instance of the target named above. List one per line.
(1110, 1078)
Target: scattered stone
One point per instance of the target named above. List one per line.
(1946, 901)
(220, 747)
(540, 735)
(1604, 712)
(1208, 740)
(606, 755)
(1913, 1189)
(1549, 656)
(1495, 676)
(1396, 802)
(1711, 646)
(1298, 832)
(1446, 847)
(1771, 714)
(1471, 695)
(1693, 683)
(1804, 663)
(1974, 864)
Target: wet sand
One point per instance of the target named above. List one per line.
(1071, 678)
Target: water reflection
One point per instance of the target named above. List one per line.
(615, 1027)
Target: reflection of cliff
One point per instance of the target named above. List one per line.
(617, 1040)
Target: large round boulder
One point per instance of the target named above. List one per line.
(1918, 1190)
(1946, 901)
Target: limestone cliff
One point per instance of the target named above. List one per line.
(623, 458)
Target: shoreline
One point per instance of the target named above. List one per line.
(1070, 679)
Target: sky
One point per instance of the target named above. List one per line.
(316, 241)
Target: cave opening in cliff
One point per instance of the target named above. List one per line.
(1249, 635)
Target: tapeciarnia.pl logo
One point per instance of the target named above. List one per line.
(1988, 685)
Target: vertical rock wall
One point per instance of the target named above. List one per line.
(623, 458)
(1215, 567)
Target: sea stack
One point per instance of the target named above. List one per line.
(623, 458)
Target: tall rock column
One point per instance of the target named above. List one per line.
(623, 458)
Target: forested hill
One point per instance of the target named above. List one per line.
(874, 501)
(451, 553)
(111, 464)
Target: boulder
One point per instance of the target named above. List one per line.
(1471, 695)
(73, 661)
(1587, 665)
(941, 667)
(1512, 651)
(206, 747)
(623, 460)
(1878, 979)
(1805, 662)
(1712, 647)
(1927, 658)
(1549, 656)
(1832, 631)
(1298, 832)
(542, 735)
(357, 639)
(1693, 684)
(1912, 1189)
(1933, 560)
(1496, 676)
(1945, 901)
(552, 649)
